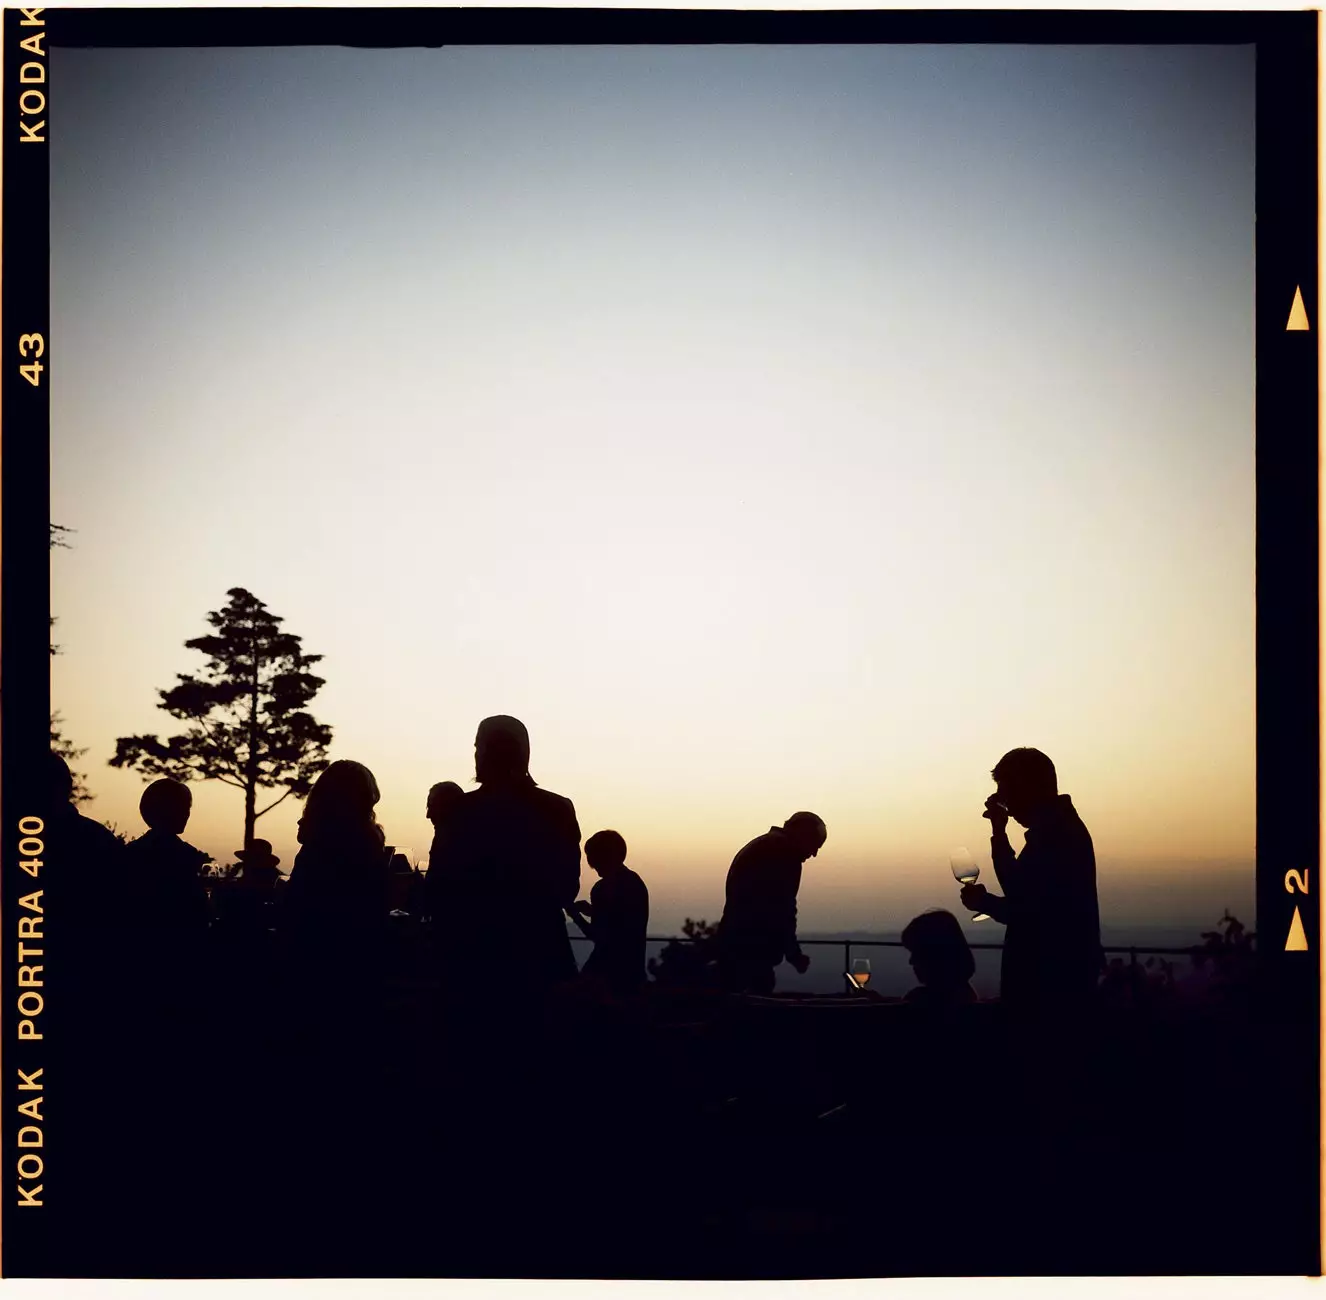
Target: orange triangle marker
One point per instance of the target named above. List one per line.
(1298, 314)
(1298, 940)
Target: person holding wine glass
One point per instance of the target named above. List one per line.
(965, 872)
(1052, 954)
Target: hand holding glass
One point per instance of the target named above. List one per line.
(966, 871)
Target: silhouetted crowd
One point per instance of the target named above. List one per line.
(504, 876)
(365, 1068)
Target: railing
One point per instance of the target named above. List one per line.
(847, 944)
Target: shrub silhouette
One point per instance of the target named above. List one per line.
(688, 963)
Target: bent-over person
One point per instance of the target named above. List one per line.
(758, 928)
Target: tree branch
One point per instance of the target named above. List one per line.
(273, 804)
(221, 753)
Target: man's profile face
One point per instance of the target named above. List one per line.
(808, 843)
(601, 860)
(1015, 796)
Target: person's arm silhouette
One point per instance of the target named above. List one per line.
(977, 898)
(791, 948)
(580, 912)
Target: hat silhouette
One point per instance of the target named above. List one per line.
(260, 855)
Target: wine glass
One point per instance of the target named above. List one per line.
(861, 971)
(966, 871)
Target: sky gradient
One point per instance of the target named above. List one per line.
(767, 427)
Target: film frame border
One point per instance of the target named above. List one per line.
(1287, 467)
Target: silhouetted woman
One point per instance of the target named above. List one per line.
(443, 801)
(334, 911)
(941, 959)
(511, 865)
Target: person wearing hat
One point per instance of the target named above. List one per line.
(243, 901)
(258, 866)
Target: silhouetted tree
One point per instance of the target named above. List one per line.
(248, 725)
(1228, 942)
(71, 753)
(1230, 948)
(689, 962)
(60, 744)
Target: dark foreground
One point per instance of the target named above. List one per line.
(681, 1136)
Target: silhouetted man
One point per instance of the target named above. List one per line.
(758, 928)
(170, 901)
(508, 868)
(616, 917)
(1052, 953)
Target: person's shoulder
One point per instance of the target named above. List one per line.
(757, 847)
(551, 798)
(95, 833)
(1070, 821)
(555, 805)
(198, 855)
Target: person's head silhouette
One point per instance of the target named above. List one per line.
(605, 851)
(345, 791)
(938, 950)
(807, 833)
(258, 859)
(59, 779)
(442, 800)
(1025, 783)
(501, 750)
(165, 806)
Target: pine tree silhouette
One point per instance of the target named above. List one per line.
(248, 724)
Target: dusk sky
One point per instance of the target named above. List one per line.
(767, 427)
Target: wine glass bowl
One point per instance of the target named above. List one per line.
(966, 872)
(861, 971)
(963, 866)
